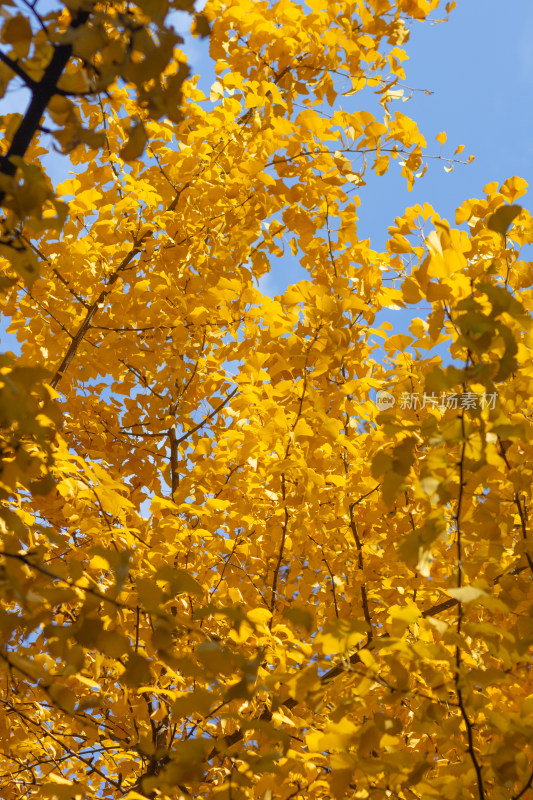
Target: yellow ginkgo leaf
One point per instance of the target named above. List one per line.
(134, 147)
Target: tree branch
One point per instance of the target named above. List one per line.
(14, 67)
(524, 789)
(42, 93)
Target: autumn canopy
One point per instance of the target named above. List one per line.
(228, 569)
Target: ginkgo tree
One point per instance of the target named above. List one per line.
(226, 571)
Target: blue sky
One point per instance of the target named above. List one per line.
(479, 68)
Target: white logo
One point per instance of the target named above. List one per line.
(384, 400)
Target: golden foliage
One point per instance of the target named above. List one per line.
(226, 571)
